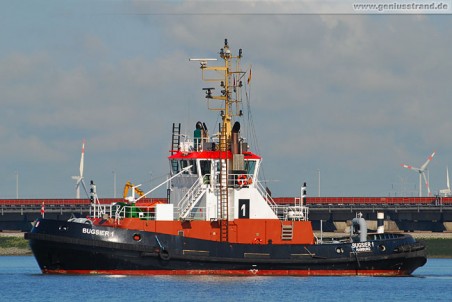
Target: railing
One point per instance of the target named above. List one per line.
(278, 200)
(432, 200)
(45, 201)
(146, 213)
(190, 198)
(197, 144)
(98, 210)
(268, 198)
(64, 201)
(284, 212)
(119, 211)
(196, 213)
(296, 213)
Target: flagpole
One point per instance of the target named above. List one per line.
(42, 209)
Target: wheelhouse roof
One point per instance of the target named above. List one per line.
(209, 155)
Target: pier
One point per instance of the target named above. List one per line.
(412, 216)
(406, 218)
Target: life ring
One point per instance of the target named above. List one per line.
(257, 240)
(242, 180)
(164, 255)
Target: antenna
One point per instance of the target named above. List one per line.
(421, 172)
(203, 61)
(228, 101)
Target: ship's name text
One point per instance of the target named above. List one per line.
(97, 232)
(362, 246)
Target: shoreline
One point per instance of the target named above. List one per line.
(14, 244)
(12, 251)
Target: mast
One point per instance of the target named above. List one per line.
(228, 102)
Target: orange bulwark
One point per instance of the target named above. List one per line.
(262, 231)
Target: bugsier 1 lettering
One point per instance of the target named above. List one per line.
(97, 232)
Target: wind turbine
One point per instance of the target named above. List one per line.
(446, 192)
(79, 179)
(421, 171)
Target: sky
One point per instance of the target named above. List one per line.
(336, 94)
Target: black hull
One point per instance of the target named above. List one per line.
(63, 247)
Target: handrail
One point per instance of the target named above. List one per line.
(375, 200)
(284, 212)
(296, 213)
(119, 212)
(266, 196)
(98, 210)
(190, 198)
(196, 213)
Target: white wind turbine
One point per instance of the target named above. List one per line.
(421, 171)
(446, 192)
(79, 178)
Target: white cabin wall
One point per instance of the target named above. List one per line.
(259, 208)
(211, 205)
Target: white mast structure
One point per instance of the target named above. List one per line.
(421, 172)
(446, 192)
(79, 178)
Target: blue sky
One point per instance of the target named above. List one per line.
(351, 96)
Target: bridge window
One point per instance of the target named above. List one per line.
(186, 163)
(250, 167)
(175, 166)
(205, 167)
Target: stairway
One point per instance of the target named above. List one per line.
(190, 199)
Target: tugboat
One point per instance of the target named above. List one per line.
(218, 219)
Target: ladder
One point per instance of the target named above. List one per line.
(175, 142)
(223, 209)
(223, 206)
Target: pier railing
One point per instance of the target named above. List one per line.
(402, 201)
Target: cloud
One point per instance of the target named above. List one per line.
(353, 96)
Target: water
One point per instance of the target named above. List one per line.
(21, 280)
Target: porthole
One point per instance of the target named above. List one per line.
(137, 237)
(382, 247)
(339, 250)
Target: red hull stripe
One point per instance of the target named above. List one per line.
(235, 272)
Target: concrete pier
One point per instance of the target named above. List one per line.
(334, 218)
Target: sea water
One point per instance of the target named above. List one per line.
(21, 280)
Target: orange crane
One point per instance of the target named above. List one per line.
(129, 186)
